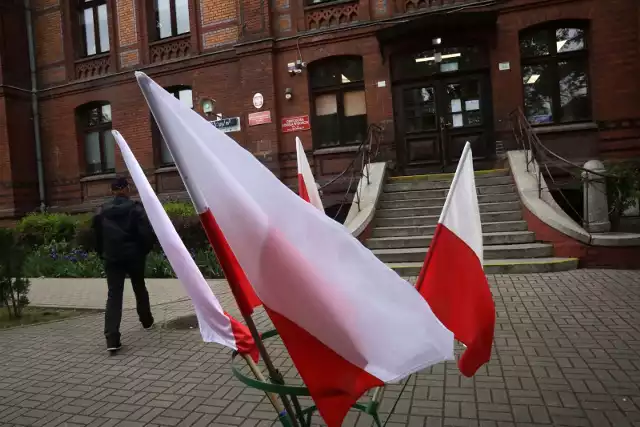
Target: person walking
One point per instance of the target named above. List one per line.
(124, 237)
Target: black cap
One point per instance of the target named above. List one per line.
(119, 184)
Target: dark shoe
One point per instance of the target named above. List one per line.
(148, 326)
(113, 348)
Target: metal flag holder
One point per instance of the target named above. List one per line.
(275, 387)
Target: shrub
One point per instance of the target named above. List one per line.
(14, 285)
(183, 209)
(42, 228)
(62, 260)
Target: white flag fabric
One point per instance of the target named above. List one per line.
(215, 325)
(349, 322)
(307, 188)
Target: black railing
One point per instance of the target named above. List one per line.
(366, 153)
(561, 175)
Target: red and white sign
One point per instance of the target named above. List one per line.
(260, 118)
(295, 124)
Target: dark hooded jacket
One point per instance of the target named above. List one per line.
(122, 230)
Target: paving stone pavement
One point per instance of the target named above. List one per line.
(566, 353)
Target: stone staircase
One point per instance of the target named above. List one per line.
(409, 210)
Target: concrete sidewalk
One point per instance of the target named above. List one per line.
(566, 353)
(92, 293)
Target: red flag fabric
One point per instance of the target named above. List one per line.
(452, 279)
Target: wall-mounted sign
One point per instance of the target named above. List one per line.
(227, 125)
(258, 100)
(260, 118)
(504, 66)
(295, 124)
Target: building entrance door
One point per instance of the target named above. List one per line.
(436, 117)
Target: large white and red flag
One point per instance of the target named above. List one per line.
(215, 325)
(452, 279)
(307, 188)
(348, 321)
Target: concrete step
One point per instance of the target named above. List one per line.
(508, 238)
(426, 220)
(424, 184)
(449, 176)
(442, 193)
(488, 227)
(439, 201)
(521, 250)
(503, 266)
(435, 210)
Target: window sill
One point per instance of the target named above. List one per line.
(170, 39)
(337, 150)
(99, 177)
(570, 127)
(328, 4)
(166, 169)
(92, 57)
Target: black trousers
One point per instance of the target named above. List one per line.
(116, 274)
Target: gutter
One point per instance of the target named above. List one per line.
(34, 104)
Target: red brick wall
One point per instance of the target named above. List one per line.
(231, 74)
(589, 256)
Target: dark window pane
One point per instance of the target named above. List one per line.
(93, 116)
(327, 131)
(351, 70)
(109, 149)
(569, 40)
(336, 71)
(535, 44)
(354, 129)
(434, 61)
(539, 85)
(574, 91)
(92, 152)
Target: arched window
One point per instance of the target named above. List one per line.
(94, 128)
(339, 111)
(555, 73)
(94, 27)
(184, 94)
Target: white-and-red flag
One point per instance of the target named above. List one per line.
(348, 321)
(215, 325)
(452, 279)
(307, 188)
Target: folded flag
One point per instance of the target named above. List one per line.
(452, 279)
(215, 325)
(307, 188)
(348, 321)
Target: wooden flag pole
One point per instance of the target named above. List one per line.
(274, 374)
(258, 373)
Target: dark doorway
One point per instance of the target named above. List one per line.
(442, 99)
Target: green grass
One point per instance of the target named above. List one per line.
(37, 315)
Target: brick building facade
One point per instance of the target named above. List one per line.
(434, 73)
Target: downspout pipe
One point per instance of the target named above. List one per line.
(35, 112)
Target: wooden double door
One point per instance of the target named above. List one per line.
(435, 118)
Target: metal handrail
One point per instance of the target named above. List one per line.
(367, 151)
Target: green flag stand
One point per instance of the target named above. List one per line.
(277, 388)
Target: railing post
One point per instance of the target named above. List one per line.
(596, 206)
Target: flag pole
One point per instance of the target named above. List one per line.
(258, 374)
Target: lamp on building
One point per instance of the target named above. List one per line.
(207, 105)
(288, 94)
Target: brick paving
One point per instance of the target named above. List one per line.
(567, 353)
